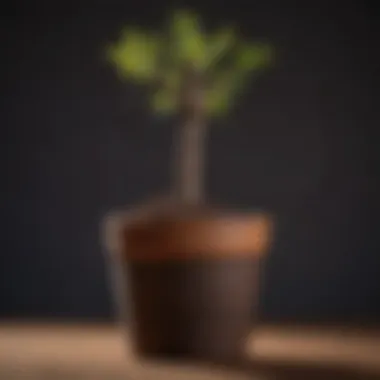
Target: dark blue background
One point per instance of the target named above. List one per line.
(301, 144)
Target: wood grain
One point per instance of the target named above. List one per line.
(97, 352)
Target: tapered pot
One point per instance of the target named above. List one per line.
(191, 280)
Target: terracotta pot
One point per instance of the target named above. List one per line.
(191, 279)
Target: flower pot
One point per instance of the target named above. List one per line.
(191, 280)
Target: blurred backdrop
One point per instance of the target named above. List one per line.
(77, 143)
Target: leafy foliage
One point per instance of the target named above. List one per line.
(218, 44)
(135, 55)
(225, 61)
(188, 41)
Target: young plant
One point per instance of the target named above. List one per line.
(191, 74)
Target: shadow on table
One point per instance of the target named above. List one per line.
(258, 370)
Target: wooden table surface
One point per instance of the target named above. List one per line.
(43, 351)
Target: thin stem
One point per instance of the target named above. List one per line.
(190, 155)
(190, 163)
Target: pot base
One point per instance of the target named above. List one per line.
(194, 309)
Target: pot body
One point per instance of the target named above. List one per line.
(183, 288)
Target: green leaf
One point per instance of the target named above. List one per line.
(221, 95)
(217, 103)
(253, 56)
(135, 55)
(187, 38)
(171, 79)
(219, 44)
(164, 101)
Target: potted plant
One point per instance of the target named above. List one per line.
(192, 269)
